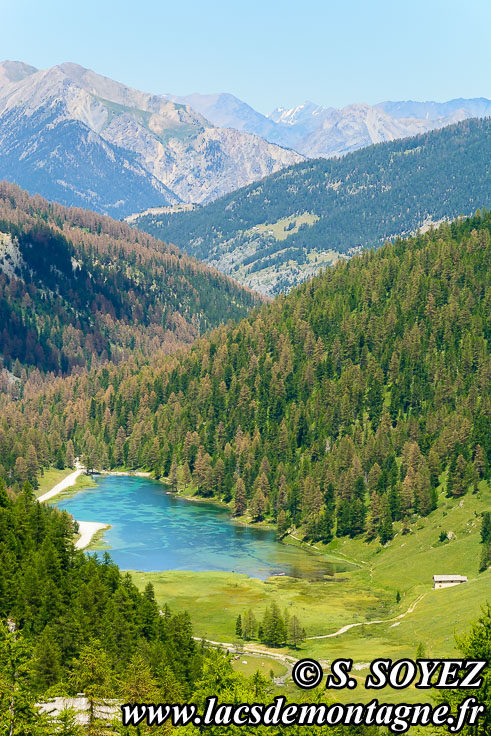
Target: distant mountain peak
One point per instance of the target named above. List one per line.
(171, 152)
(14, 71)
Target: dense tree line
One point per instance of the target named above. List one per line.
(485, 541)
(78, 288)
(61, 610)
(377, 193)
(276, 629)
(341, 407)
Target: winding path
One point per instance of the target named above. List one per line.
(289, 661)
(343, 629)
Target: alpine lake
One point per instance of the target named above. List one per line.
(154, 530)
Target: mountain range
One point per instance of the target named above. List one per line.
(277, 232)
(315, 131)
(85, 140)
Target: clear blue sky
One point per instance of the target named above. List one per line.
(267, 52)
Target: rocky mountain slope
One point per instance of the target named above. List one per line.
(227, 111)
(314, 130)
(87, 140)
(274, 234)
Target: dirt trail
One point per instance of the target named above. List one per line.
(289, 661)
(87, 529)
(63, 484)
(343, 629)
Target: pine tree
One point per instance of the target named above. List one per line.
(186, 475)
(70, 454)
(240, 505)
(18, 715)
(90, 457)
(218, 476)
(47, 660)
(296, 633)
(59, 459)
(281, 524)
(479, 461)
(119, 446)
(457, 482)
(238, 626)
(21, 471)
(258, 505)
(138, 684)
(249, 625)
(173, 476)
(4, 498)
(32, 465)
(386, 530)
(92, 676)
(485, 541)
(66, 723)
(273, 627)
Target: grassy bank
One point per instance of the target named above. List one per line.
(386, 581)
(51, 478)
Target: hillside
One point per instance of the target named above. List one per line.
(85, 140)
(353, 414)
(343, 408)
(278, 232)
(77, 288)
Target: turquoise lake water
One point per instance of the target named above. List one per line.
(153, 530)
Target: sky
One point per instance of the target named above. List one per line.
(267, 52)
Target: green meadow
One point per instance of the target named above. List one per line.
(384, 584)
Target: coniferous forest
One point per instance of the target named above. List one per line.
(357, 201)
(337, 407)
(78, 289)
(342, 410)
(245, 436)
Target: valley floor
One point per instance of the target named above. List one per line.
(356, 614)
(384, 606)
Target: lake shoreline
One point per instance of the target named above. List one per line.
(289, 539)
(87, 529)
(92, 529)
(67, 482)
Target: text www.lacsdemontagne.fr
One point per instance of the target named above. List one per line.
(397, 718)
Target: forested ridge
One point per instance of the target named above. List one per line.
(341, 408)
(359, 201)
(78, 288)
